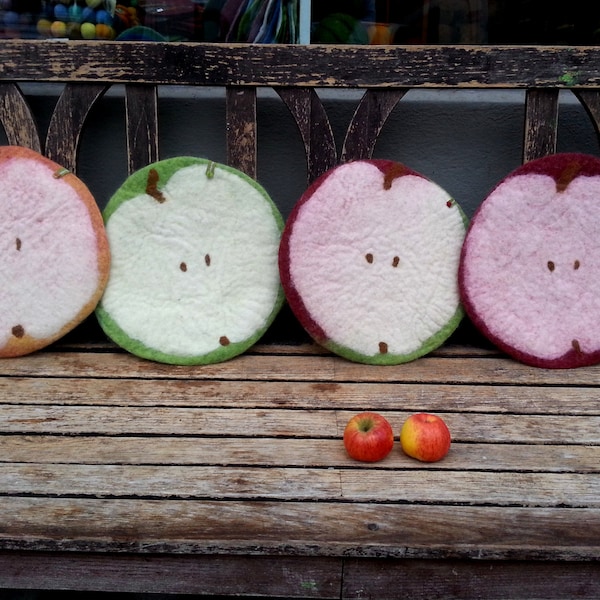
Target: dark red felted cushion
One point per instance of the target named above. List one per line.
(530, 266)
(369, 260)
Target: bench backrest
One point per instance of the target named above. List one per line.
(386, 73)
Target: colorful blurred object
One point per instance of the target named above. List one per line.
(261, 21)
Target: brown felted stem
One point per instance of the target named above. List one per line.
(395, 171)
(152, 186)
(567, 175)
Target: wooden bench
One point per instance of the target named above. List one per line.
(119, 474)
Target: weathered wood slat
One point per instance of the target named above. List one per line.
(463, 398)
(241, 129)
(280, 65)
(329, 369)
(368, 120)
(308, 483)
(68, 120)
(278, 576)
(510, 580)
(315, 129)
(304, 577)
(541, 121)
(141, 111)
(299, 528)
(293, 423)
(17, 119)
(286, 452)
(590, 99)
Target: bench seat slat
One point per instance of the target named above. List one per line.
(305, 528)
(281, 422)
(306, 483)
(463, 398)
(268, 452)
(299, 368)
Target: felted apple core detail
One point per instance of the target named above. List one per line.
(194, 278)
(54, 255)
(369, 260)
(530, 266)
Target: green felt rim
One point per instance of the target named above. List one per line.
(131, 188)
(430, 344)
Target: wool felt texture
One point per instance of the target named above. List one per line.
(55, 255)
(530, 266)
(369, 259)
(194, 276)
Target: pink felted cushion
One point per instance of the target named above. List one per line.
(530, 265)
(369, 260)
(55, 256)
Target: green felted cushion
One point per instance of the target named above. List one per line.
(194, 277)
(369, 260)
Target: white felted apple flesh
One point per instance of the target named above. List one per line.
(369, 260)
(530, 270)
(194, 276)
(55, 255)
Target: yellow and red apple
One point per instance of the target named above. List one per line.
(425, 437)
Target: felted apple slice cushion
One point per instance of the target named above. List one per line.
(530, 267)
(369, 259)
(54, 252)
(194, 277)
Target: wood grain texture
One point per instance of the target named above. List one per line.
(68, 120)
(141, 112)
(315, 129)
(120, 474)
(79, 453)
(204, 575)
(320, 66)
(241, 135)
(17, 119)
(541, 121)
(368, 121)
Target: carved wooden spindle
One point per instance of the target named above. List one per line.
(68, 119)
(17, 118)
(312, 120)
(541, 122)
(141, 109)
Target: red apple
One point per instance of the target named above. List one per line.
(425, 437)
(368, 437)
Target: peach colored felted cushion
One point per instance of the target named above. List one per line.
(55, 256)
(369, 260)
(530, 268)
(194, 276)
